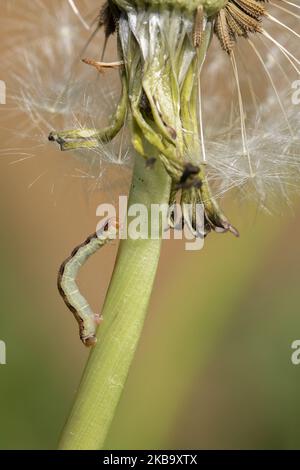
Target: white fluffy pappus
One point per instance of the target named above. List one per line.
(251, 114)
(50, 88)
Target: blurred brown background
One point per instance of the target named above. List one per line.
(213, 368)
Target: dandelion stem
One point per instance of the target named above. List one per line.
(124, 313)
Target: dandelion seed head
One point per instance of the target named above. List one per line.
(55, 90)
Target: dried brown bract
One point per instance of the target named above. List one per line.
(238, 18)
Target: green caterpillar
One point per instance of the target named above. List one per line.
(68, 288)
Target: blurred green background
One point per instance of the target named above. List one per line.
(213, 368)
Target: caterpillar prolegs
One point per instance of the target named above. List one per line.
(69, 290)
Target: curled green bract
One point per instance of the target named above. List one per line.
(90, 138)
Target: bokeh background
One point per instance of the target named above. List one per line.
(213, 368)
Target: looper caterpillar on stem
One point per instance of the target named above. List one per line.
(124, 312)
(69, 290)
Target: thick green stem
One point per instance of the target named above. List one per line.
(124, 313)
